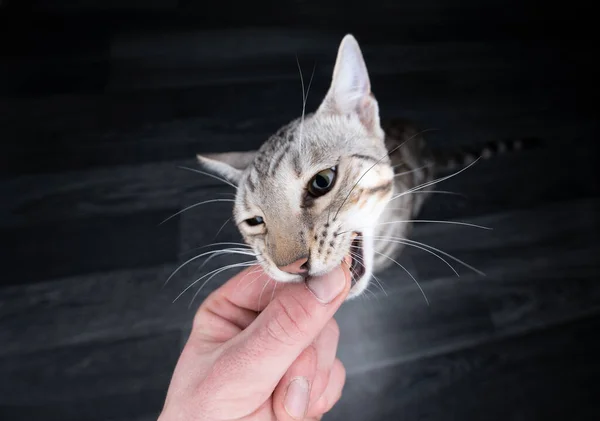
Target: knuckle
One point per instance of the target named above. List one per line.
(290, 322)
(203, 311)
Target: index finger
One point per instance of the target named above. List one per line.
(251, 289)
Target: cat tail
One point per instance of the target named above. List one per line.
(453, 160)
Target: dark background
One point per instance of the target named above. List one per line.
(102, 100)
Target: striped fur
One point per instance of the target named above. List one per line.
(377, 169)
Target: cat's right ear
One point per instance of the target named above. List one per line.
(228, 165)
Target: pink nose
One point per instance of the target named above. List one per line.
(299, 267)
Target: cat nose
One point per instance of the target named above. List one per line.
(299, 267)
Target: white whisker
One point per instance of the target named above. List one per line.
(447, 255)
(409, 171)
(409, 274)
(467, 224)
(256, 279)
(304, 98)
(244, 277)
(438, 192)
(194, 205)
(274, 284)
(438, 180)
(430, 221)
(246, 246)
(399, 240)
(261, 293)
(209, 175)
(222, 226)
(215, 272)
(218, 253)
(189, 261)
(373, 166)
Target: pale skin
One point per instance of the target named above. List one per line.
(277, 364)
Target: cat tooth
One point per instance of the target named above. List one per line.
(348, 260)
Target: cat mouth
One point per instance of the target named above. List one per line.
(357, 269)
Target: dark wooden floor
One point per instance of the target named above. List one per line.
(103, 102)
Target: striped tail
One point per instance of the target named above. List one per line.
(454, 160)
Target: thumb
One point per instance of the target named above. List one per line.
(288, 325)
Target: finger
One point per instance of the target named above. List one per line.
(332, 393)
(250, 289)
(316, 370)
(292, 395)
(262, 353)
(227, 310)
(326, 346)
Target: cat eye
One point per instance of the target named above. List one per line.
(257, 220)
(322, 182)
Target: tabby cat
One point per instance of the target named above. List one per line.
(331, 184)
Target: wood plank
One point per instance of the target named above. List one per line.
(95, 307)
(172, 123)
(492, 88)
(95, 381)
(549, 375)
(126, 190)
(422, 21)
(201, 58)
(43, 251)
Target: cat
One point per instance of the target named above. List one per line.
(333, 183)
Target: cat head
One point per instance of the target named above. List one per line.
(313, 193)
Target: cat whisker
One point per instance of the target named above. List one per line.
(191, 260)
(261, 293)
(398, 208)
(431, 221)
(223, 252)
(244, 277)
(215, 274)
(380, 284)
(194, 205)
(439, 192)
(256, 279)
(352, 278)
(358, 257)
(409, 274)
(274, 286)
(399, 240)
(437, 180)
(209, 175)
(241, 245)
(221, 229)
(445, 254)
(409, 171)
(373, 166)
(304, 96)
(211, 273)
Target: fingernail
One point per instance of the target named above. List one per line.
(296, 398)
(328, 286)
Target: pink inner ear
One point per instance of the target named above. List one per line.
(368, 113)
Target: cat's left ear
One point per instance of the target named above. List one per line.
(350, 90)
(229, 165)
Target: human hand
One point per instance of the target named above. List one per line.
(276, 365)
